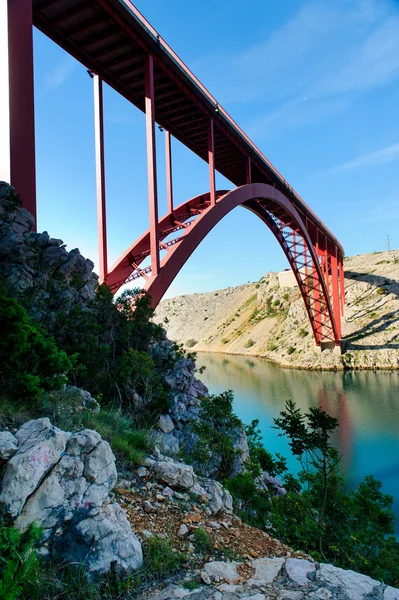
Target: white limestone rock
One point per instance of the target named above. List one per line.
(8, 445)
(266, 570)
(166, 424)
(391, 593)
(219, 497)
(104, 540)
(41, 446)
(299, 569)
(82, 480)
(175, 474)
(356, 585)
(220, 570)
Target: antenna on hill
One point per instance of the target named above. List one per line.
(387, 243)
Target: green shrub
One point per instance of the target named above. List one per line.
(160, 560)
(249, 344)
(272, 346)
(214, 428)
(202, 540)
(191, 584)
(303, 333)
(18, 561)
(381, 291)
(276, 302)
(290, 350)
(353, 530)
(30, 361)
(190, 343)
(224, 341)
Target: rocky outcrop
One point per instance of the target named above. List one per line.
(62, 481)
(177, 475)
(281, 579)
(37, 269)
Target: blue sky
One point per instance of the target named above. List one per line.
(314, 83)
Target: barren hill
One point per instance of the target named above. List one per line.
(264, 319)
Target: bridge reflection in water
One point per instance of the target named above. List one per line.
(365, 402)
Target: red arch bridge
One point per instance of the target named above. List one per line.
(119, 47)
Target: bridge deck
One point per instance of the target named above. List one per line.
(111, 38)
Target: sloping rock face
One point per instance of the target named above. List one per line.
(62, 482)
(37, 269)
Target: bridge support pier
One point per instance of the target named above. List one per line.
(100, 177)
(152, 162)
(17, 119)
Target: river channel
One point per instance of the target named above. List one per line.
(365, 402)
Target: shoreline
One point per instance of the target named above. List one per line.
(337, 368)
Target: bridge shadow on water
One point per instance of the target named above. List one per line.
(379, 324)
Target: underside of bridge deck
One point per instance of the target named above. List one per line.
(118, 46)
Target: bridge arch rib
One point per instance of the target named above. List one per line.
(316, 261)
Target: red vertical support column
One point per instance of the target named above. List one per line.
(211, 161)
(326, 265)
(168, 155)
(17, 119)
(305, 258)
(151, 163)
(335, 292)
(316, 296)
(248, 171)
(342, 284)
(100, 176)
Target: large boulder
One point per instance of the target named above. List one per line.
(40, 448)
(63, 481)
(175, 474)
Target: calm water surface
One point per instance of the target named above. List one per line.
(365, 402)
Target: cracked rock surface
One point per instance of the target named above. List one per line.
(63, 481)
(277, 579)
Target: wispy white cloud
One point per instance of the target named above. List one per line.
(61, 72)
(374, 63)
(312, 67)
(373, 159)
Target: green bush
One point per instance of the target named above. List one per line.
(303, 333)
(276, 302)
(112, 343)
(160, 560)
(224, 341)
(30, 361)
(202, 540)
(381, 291)
(18, 561)
(249, 344)
(272, 346)
(215, 428)
(290, 350)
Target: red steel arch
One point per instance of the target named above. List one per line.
(194, 219)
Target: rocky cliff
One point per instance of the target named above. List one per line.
(265, 319)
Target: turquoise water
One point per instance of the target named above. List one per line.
(365, 402)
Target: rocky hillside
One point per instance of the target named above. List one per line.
(122, 478)
(264, 319)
